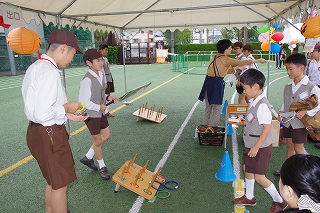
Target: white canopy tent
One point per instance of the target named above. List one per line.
(136, 15)
(158, 14)
(292, 34)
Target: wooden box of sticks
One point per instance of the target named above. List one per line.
(210, 136)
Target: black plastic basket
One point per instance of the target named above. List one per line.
(212, 139)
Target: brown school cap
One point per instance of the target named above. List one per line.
(64, 37)
(317, 47)
(92, 54)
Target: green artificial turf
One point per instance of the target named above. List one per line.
(192, 165)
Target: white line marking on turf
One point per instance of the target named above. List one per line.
(139, 201)
(236, 162)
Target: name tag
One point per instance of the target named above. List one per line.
(250, 117)
(304, 95)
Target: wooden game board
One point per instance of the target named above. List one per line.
(149, 115)
(138, 179)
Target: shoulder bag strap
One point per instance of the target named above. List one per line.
(215, 68)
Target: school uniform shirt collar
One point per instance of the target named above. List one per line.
(253, 102)
(239, 56)
(48, 58)
(303, 81)
(313, 61)
(99, 76)
(249, 57)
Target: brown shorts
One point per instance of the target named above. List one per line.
(54, 157)
(258, 164)
(298, 135)
(110, 88)
(96, 124)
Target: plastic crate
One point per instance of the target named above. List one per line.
(212, 139)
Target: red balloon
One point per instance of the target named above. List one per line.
(277, 36)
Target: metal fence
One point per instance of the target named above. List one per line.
(196, 62)
(141, 53)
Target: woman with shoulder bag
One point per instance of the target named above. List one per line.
(213, 87)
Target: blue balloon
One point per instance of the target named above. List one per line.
(275, 48)
(246, 211)
(276, 25)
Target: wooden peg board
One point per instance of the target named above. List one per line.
(141, 186)
(149, 115)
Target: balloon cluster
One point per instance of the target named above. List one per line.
(292, 44)
(268, 38)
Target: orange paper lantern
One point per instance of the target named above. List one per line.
(311, 27)
(24, 41)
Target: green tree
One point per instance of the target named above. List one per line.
(79, 32)
(180, 37)
(48, 29)
(253, 35)
(167, 36)
(184, 37)
(98, 34)
(228, 34)
(82, 34)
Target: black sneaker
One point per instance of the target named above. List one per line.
(89, 163)
(104, 173)
(276, 172)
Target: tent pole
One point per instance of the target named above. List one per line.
(124, 68)
(172, 42)
(63, 74)
(10, 54)
(282, 17)
(268, 63)
(92, 38)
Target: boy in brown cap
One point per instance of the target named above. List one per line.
(92, 93)
(47, 109)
